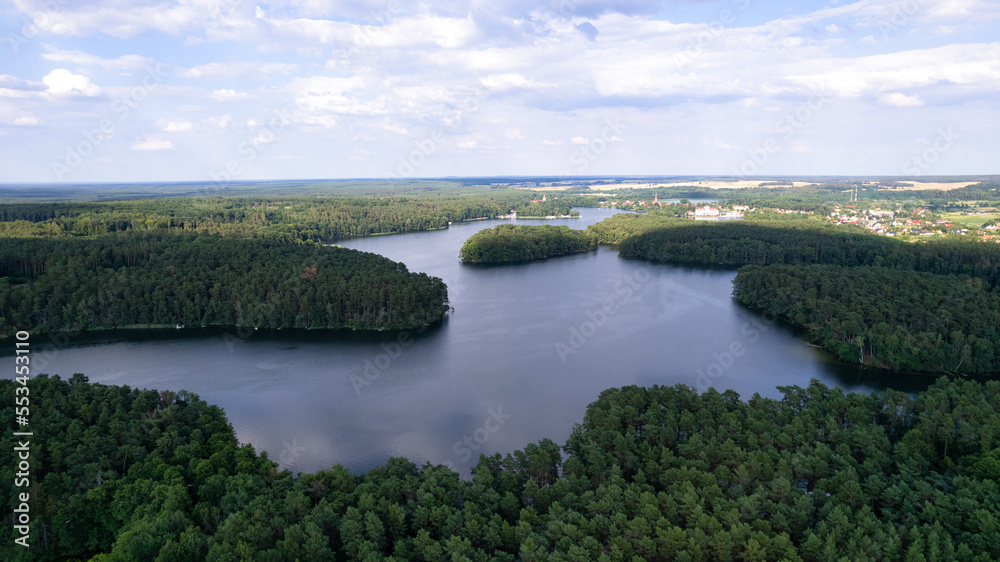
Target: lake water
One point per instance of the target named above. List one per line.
(526, 348)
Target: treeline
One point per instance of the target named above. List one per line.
(897, 319)
(159, 279)
(617, 228)
(558, 206)
(655, 474)
(805, 242)
(507, 243)
(986, 190)
(284, 218)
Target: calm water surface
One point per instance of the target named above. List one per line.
(525, 350)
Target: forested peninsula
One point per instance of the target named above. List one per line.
(509, 243)
(126, 281)
(763, 242)
(659, 473)
(904, 320)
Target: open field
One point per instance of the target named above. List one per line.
(970, 221)
(709, 184)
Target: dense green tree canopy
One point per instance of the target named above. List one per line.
(508, 243)
(660, 473)
(150, 279)
(798, 242)
(899, 319)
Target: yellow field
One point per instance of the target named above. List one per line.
(546, 188)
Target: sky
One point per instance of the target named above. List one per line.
(230, 90)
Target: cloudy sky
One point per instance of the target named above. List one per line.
(152, 90)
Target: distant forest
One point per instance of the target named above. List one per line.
(659, 473)
(290, 219)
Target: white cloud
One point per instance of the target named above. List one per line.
(62, 82)
(399, 32)
(219, 122)
(174, 126)
(508, 80)
(236, 69)
(10, 114)
(509, 71)
(124, 62)
(228, 94)
(900, 100)
(128, 19)
(323, 95)
(16, 88)
(153, 145)
(969, 68)
(264, 137)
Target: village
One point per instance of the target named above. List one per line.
(918, 222)
(901, 222)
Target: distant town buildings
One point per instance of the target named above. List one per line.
(710, 213)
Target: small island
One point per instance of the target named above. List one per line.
(510, 243)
